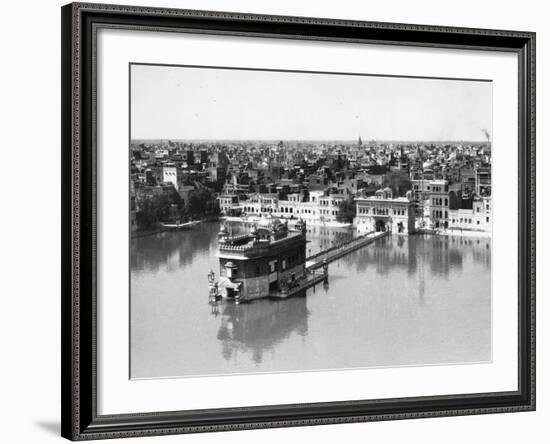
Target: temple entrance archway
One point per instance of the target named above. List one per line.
(380, 225)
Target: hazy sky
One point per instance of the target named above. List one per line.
(205, 103)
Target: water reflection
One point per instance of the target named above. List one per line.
(442, 255)
(322, 237)
(169, 250)
(399, 301)
(261, 325)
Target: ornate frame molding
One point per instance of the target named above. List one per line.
(79, 407)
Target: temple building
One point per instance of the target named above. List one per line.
(268, 261)
(383, 212)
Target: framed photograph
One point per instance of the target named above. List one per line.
(278, 221)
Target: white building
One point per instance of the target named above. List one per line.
(314, 196)
(161, 154)
(382, 212)
(439, 203)
(258, 204)
(479, 218)
(329, 208)
(170, 175)
(228, 203)
(292, 209)
(318, 208)
(421, 186)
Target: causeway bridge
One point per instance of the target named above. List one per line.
(316, 267)
(316, 261)
(317, 264)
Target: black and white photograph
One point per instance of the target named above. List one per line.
(277, 221)
(294, 221)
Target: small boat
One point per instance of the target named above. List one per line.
(176, 226)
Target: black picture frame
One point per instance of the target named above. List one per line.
(78, 334)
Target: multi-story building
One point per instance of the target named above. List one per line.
(383, 212)
(161, 154)
(291, 209)
(479, 218)
(270, 259)
(420, 186)
(439, 203)
(203, 156)
(329, 208)
(483, 181)
(189, 158)
(228, 203)
(170, 175)
(260, 204)
(234, 188)
(318, 208)
(421, 190)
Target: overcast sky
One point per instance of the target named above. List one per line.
(205, 103)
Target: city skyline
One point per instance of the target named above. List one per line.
(343, 141)
(298, 106)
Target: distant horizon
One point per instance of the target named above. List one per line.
(364, 141)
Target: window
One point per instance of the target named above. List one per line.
(272, 266)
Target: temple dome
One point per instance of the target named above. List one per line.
(270, 223)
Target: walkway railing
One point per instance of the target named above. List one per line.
(338, 251)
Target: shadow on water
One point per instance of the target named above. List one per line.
(260, 325)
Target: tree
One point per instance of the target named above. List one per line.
(346, 211)
(156, 208)
(203, 202)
